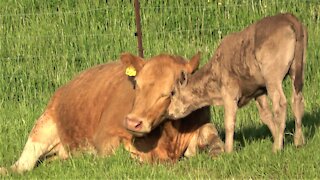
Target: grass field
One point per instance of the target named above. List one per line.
(44, 44)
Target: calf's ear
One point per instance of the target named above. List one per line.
(183, 80)
(130, 60)
(193, 64)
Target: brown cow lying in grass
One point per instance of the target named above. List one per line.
(251, 64)
(88, 113)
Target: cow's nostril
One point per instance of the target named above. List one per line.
(138, 124)
(133, 124)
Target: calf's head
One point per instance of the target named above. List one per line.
(181, 103)
(154, 81)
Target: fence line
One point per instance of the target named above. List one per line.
(75, 55)
(111, 34)
(34, 57)
(167, 32)
(138, 34)
(61, 12)
(176, 31)
(142, 7)
(57, 35)
(110, 7)
(219, 4)
(55, 56)
(117, 7)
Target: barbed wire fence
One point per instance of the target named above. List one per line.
(41, 50)
(128, 31)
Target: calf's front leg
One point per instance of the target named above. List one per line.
(230, 111)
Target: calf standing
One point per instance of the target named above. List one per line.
(251, 64)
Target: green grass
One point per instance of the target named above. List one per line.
(44, 44)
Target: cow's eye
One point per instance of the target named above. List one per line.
(134, 84)
(133, 81)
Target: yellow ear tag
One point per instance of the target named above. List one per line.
(131, 71)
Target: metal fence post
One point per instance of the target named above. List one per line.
(138, 25)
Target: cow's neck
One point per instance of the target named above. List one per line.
(204, 85)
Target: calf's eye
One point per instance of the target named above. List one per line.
(173, 93)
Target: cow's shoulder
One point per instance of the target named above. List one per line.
(97, 96)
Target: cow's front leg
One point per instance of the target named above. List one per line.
(230, 100)
(105, 144)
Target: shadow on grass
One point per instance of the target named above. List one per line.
(310, 122)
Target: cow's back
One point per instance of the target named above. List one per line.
(96, 100)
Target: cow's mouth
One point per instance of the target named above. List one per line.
(137, 133)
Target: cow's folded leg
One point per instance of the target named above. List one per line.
(193, 146)
(209, 138)
(42, 139)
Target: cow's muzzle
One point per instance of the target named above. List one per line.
(136, 126)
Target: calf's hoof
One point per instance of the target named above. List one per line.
(299, 140)
(228, 149)
(3, 171)
(276, 148)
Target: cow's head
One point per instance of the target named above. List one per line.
(154, 81)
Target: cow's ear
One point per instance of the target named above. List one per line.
(132, 61)
(193, 64)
